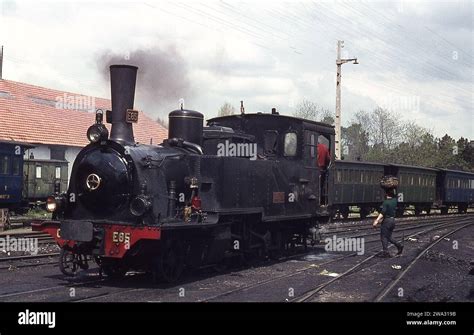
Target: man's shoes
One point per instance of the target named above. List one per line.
(384, 254)
(400, 250)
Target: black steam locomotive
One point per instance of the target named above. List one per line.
(244, 185)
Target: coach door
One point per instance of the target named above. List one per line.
(310, 153)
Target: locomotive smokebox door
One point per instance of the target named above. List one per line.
(187, 125)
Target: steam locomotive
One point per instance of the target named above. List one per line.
(242, 186)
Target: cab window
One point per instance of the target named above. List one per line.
(290, 144)
(270, 140)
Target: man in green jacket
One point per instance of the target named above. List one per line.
(387, 213)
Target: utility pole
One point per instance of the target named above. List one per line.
(339, 62)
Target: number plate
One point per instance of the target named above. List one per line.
(132, 116)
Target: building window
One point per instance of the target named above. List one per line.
(58, 172)
(38, 172)
(290, 144)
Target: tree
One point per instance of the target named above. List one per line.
(447, 154)
(386, 128)
(466, 153)
(226, 109)
(356, 139)
(327, 117)
(381, 136)
(309, 110)
(417, 148)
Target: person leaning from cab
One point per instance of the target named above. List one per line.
(323, 161)
(387, 217)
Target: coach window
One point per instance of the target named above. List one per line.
(290, 144)
(4, 164)
(38, 172)
(338, 176)
(58, 172)
(16, 166)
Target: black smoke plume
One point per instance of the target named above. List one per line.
(162, 78)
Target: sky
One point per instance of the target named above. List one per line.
(415, 57)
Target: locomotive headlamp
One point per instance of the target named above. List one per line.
(55, 203)
(51, 204)
(97, 133)
(140, 205)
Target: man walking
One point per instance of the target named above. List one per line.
(387, 213)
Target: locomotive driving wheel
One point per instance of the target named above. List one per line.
(113, 268)
(70, 262)
(170, 263)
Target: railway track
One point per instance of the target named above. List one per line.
(346, 225)
(426, 227)
(463, 224)
(412, 263)
(307, 295)
(440, 223)
(21, 261)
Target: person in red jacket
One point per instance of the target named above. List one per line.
(324, 158)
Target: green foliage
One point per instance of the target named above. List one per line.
(38, 213)
(356, 139)
(382, 137)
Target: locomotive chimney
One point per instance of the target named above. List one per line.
(122, 83)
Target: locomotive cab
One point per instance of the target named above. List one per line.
(288, 140)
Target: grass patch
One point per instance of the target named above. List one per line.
(38, 213)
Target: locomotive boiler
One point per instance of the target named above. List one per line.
(243, 186)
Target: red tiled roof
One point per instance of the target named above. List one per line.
(34, 114)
